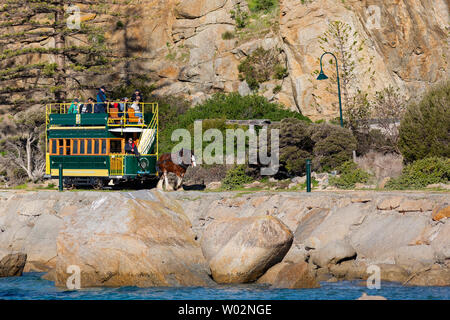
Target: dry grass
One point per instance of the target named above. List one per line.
(381, 165)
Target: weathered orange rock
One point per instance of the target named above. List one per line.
(441, 212)
(389, 203)
(421, 205)
(131, 240)
(290, 275)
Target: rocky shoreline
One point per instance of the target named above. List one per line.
(283, 239)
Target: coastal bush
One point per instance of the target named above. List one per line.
(294, 160)
(350, 175)
(328, 146)
(222, 106)
(333, 146)
(236, 178)
(373, 141)
(425, 128)
(422, 173)
(295, 145)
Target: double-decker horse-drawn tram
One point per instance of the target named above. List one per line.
(91, 147)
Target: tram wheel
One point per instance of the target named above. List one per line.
(99, 184)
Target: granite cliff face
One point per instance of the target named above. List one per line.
(408, 41)
(180, 46)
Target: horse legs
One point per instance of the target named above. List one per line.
(160, 185)
(179, 182)
(169, 187)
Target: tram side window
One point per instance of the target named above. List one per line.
(115, 146)
(67, 147)
(89, 146)
(75, 146)
(96, 146)
(103, 146)
(54, 146)
(82, 145)
(61, 146)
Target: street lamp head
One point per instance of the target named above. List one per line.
(322, 76)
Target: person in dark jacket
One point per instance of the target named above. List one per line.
(136, 94)
(88, 107)
(100, 107)
(131, 148)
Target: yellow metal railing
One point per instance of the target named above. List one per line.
(116, 165)
(116, 118)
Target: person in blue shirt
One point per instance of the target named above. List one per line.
(100, 107)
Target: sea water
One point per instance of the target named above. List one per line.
(31, 287)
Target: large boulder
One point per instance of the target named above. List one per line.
(12, 264)
(334, 252)
(435, 276)
(134, 239)
(414, 257)
(441, 243)
(290, 276)
(380, 236)
(240, 250)
(29, 224)
(338, 223)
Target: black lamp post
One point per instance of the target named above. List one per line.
(322, 76)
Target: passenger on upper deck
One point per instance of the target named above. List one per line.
(136, 94)
(100, 107)
(88, 107)
(137, 110)
(74, 107)
(123, 104)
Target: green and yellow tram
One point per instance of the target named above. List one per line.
(90, 147)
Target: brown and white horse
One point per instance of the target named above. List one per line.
(177, 163)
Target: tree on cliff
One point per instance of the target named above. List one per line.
(345, 43)
(24, 150)
(48, 48)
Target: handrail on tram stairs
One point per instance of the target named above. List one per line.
(148, 136)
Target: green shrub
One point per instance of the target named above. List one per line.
(239, 16)
(295, 145)
(227, 35)
(425, 128)
(280, 72)
(294, 160)
(231, 106)
(261, 66)
(374, 140)
(333, 146)
(422, 173)
(328, 146)
(350, 175)
(236, 178)
(119, 25)
(262, 5)
(277, 89)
